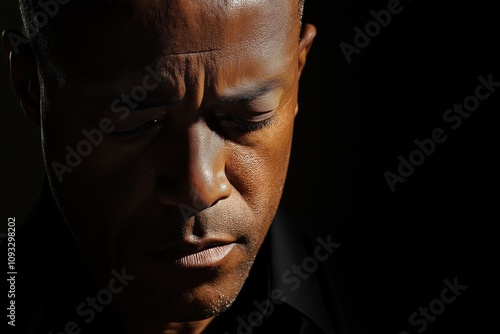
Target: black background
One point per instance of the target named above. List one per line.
(354, 121)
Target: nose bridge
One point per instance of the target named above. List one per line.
(197, 178)
(206, 182)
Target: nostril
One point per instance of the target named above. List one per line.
(215, 203)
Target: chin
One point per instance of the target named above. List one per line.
(198, 303)
(184, 295)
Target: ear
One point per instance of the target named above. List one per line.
(306, 39)
(307, 35)
(23, 73)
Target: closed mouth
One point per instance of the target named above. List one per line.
(191, 256)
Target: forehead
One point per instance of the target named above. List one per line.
(135, 33)
(197, 26)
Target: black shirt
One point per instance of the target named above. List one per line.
(304, 281)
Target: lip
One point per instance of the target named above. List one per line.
(192, 256)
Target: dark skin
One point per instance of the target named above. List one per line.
(195, 148)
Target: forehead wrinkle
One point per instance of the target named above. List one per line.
(151, 39)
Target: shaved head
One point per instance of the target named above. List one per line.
(40, 18)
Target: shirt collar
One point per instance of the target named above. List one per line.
(302, 292)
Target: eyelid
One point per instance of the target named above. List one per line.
(247, 92)
(243, 125)
(246, 115)
(136, 131)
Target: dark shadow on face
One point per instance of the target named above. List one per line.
(167, 131)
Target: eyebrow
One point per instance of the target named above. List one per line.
(248, 93)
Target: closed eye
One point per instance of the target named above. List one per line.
(137, 132)
(244, 125)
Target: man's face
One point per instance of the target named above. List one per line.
(201, 98)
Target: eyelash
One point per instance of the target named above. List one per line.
(240, 124)
(244, 125)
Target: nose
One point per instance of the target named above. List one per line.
(196, 177)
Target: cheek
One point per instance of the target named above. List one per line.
(86, 172)
(96, 192)
(105, 187)
(258, 172)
